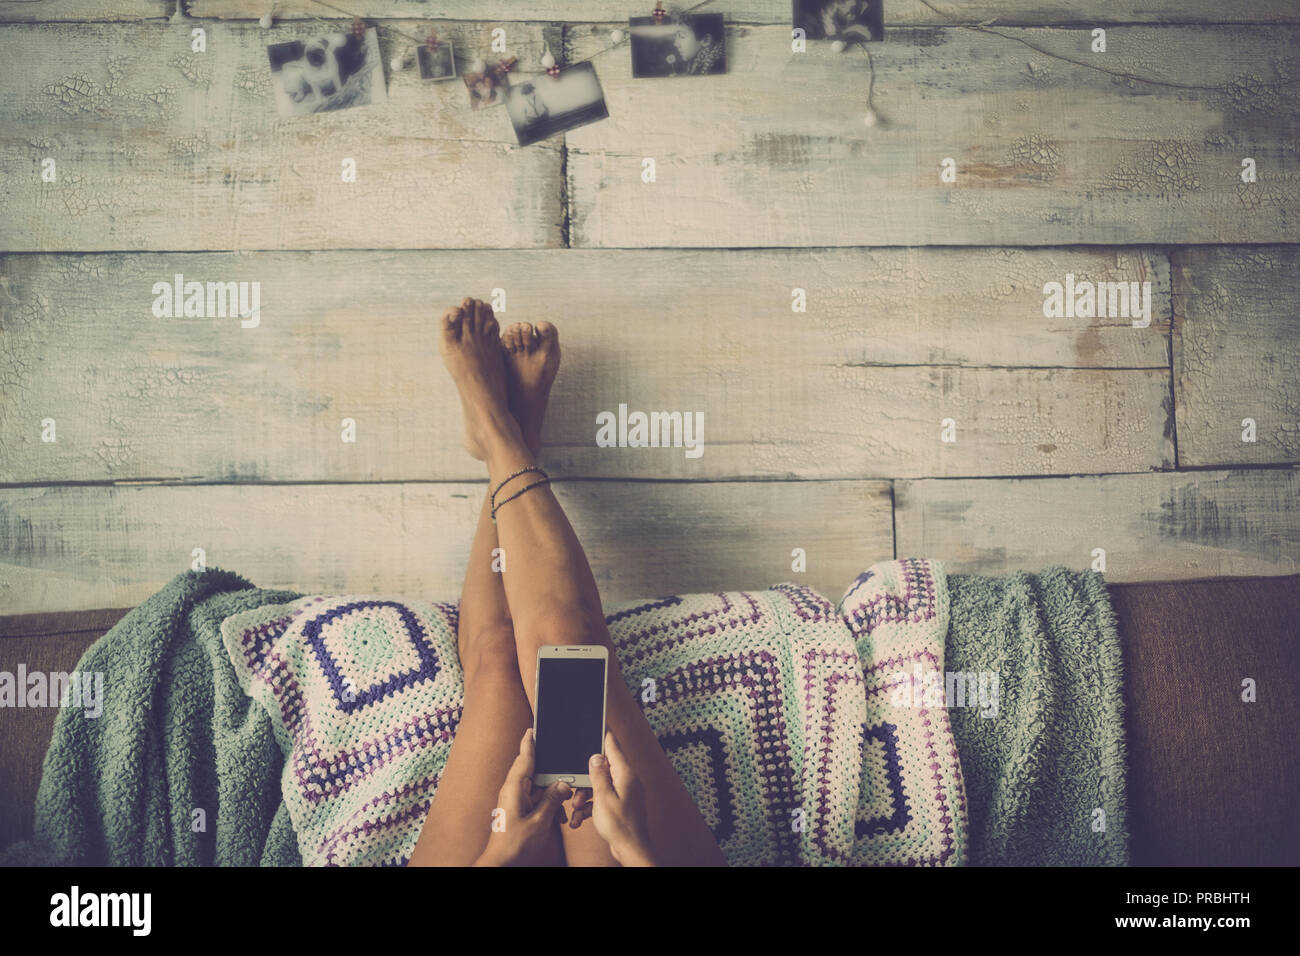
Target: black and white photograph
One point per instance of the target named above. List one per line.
(486, 87)
(847, 20)
(544, 105)
(332, 72)
(438, 63)
(691, 44)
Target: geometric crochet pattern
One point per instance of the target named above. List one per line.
(365, 695)
(911, 808)
(779, 711)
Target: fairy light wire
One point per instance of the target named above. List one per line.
(394, 31)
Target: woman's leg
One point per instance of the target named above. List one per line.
(495, 715)
(553, 600)
(496, 711)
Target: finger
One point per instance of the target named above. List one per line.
(577, 816)
(540, 792)
(602, 784)
(579, 807)
(517, 790)
(552, 801)
(620, 769)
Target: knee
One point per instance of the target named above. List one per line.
(489, 646)
(560, 627)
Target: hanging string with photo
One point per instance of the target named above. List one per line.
(549, 64)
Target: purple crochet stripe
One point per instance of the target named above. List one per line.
(916, 604)
(807, 603)
(824, 739)
(626, 641)
(337, 774)
(333, 843)
(256, 640)
(714, 673)
(642, 609)
(823, 782)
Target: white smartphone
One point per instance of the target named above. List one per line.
(569, 725)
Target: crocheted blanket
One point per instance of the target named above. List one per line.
(802, 729)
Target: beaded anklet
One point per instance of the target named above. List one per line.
(522, 471)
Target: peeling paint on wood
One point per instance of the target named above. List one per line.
(893, 341)
(898, 12)
(1152, 527)
(64, 549)
(159, 148)
(1236, 354)
(775, 153)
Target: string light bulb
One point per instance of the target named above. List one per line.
(548, 61)
(616, 36)
(264, 21)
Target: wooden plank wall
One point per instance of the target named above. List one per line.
(824, 428)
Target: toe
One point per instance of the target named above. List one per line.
(486, 320)
(470, 320)
(510, 338)
(547, 334)
(451, 324)
(526, 336)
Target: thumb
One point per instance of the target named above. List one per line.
(551, 800)
(602, 783)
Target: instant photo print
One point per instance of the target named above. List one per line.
(438, 63)
(542, 106)
(335, 71)
(692, 44)
(486, 87)
(848, 20)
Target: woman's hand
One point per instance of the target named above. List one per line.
(618, 806)
(526, 814)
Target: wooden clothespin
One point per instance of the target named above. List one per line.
(505, 65)
(659, 12)
(433, 42)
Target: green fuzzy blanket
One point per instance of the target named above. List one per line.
(1045, 779)
(181, 768)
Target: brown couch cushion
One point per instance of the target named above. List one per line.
(45, 643)
(1212, 780)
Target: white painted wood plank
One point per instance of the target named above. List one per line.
(159, 147)
(72, 548)
(1152, 527)
(775, 153)
(36, 11)
(897, 12)
(893, 341)
(1237, 355)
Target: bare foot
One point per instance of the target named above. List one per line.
(470, 343)
(532, 359)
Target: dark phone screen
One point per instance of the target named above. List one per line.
(570, 713)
